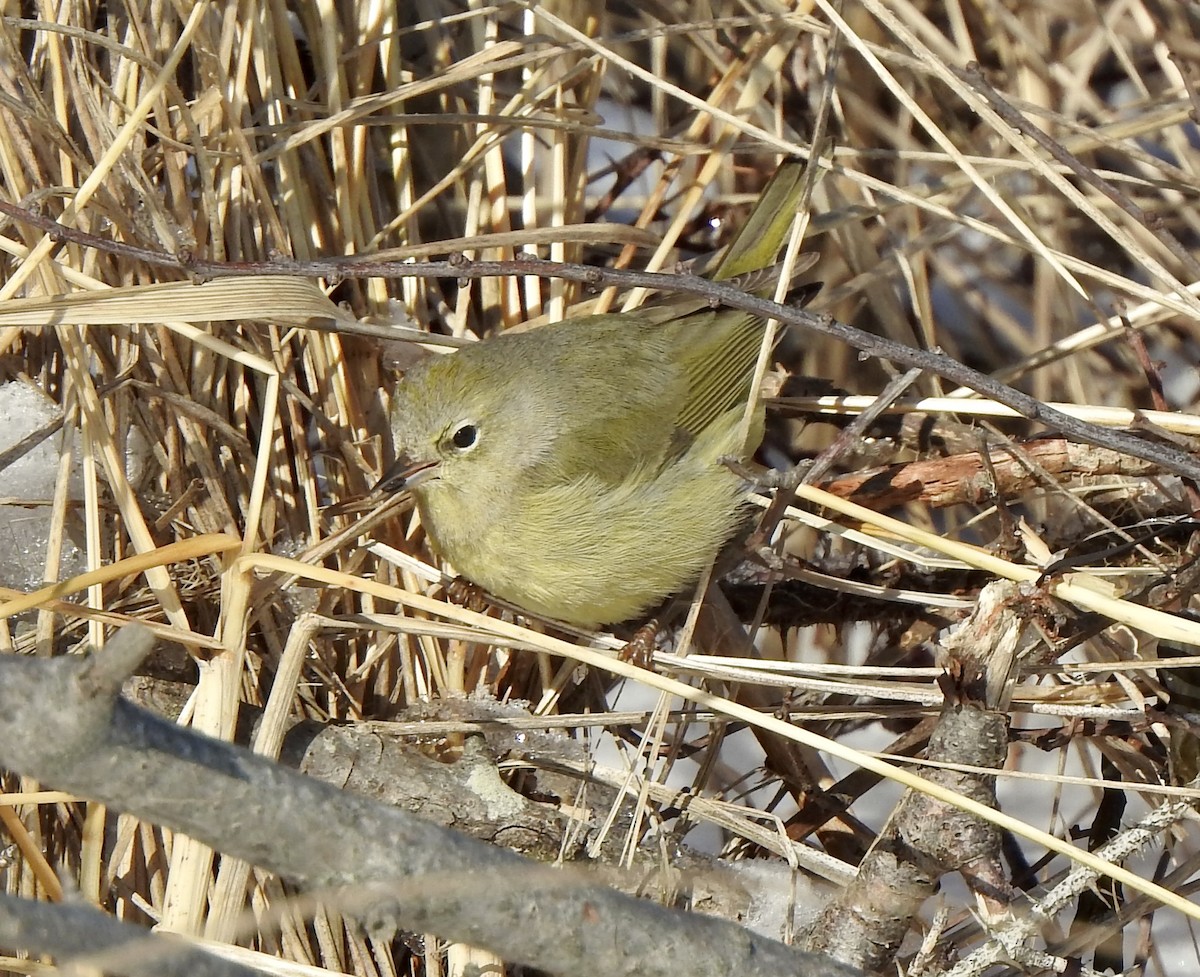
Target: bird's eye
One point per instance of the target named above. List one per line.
(465, 436)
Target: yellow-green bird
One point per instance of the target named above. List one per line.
(576, 470)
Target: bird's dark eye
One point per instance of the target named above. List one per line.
(465, 436)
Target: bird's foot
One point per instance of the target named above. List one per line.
(640, 648)
(461, 591)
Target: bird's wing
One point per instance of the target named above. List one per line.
(641, 393)
(716, 353)
(621, 389)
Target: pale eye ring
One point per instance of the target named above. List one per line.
(465, 436)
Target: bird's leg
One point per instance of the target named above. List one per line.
(640, 648)
(783, 482)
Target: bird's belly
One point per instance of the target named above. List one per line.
(596, 560)
(581, 586)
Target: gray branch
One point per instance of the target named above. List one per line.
(61, 722)
(99, 942)
(926, 838)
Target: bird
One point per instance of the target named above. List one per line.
(579, 470)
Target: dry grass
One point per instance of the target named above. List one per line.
(348, 130)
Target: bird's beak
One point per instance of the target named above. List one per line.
(406, 473)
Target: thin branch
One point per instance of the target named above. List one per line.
(718, 293)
